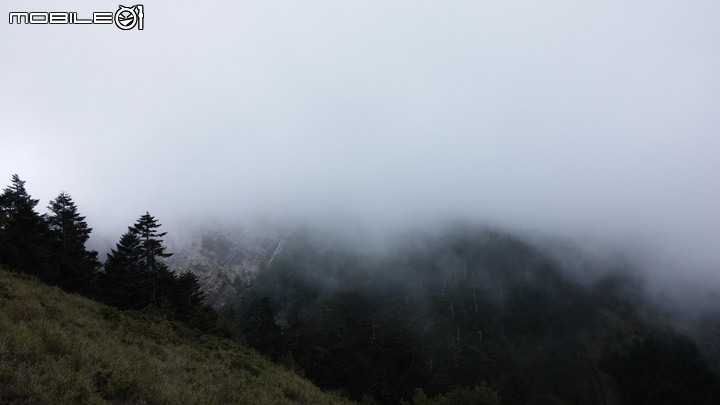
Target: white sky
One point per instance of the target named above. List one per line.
(592, 118)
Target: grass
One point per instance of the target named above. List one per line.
(62, 348)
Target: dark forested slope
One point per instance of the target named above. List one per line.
(468, 306)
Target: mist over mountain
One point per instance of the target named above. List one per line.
(593, 122)
(459, 305)
(242, 248)
(342, 140)
(458, 312)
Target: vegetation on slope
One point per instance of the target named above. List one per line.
(52, 248)
(468, 316)
(61, 348)
(457, 310)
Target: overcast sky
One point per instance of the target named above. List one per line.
(576, 118)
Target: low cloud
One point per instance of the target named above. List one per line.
(588, 122)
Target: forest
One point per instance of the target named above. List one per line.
(52, 248)
(468, 314)
(468, 307)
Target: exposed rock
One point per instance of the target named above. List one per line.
(221, 254)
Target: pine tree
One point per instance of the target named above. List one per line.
(186, 294)
(135, 274)
(73, 267)
(187, 301)
(23, 232)
(151, 252)
(121, 283)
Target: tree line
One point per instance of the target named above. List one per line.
(52, 248)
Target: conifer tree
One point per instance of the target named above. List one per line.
(151, 253)
(135, 274)
(23, 232)
(187, 301)
(137, 277)
(121, 283)
(73, 267)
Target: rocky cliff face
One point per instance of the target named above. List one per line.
(220, 254)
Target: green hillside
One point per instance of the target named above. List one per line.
(61, 348)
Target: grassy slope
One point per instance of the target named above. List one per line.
(61, 348)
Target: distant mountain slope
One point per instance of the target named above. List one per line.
(218, 255)
(61, 348)
(462, 307)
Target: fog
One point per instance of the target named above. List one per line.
(593, 121)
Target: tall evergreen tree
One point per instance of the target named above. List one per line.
(121, 283)
(136, 275)
(73, 267)
(23, 232)
(151, 253)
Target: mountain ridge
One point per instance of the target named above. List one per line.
(463, 306)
